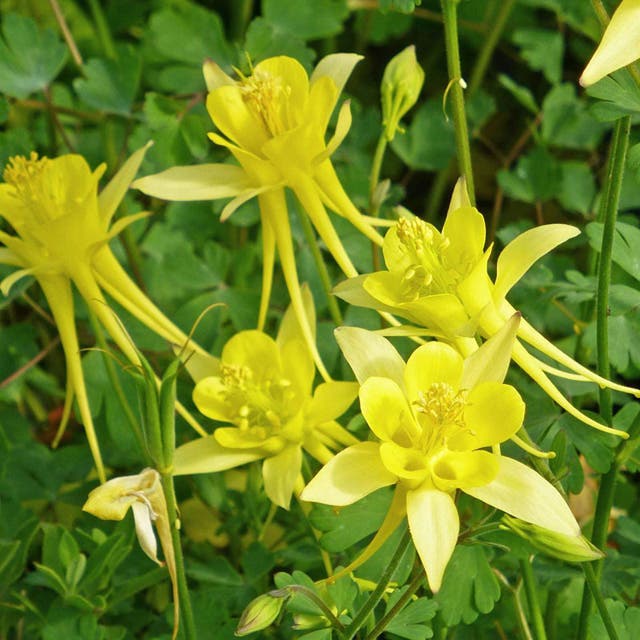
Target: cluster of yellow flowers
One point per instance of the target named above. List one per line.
(437, 421)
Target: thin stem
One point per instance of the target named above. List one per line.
(592, 581)
(102, 27)
(551, 614)
(381, 587)
(382, 624)
(319, 602)
(30, 363)
(531, 592)
(312, 242)
(374, 202)
(55, 120)
(186, 612)
(450, 14)
(66, 33)
(608, 214)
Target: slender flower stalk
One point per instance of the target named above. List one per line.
(62, 228)
(433, 419)
(274, 122)
(439, 281)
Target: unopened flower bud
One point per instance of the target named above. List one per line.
(556, 545)
(401, 84)
(261, 612)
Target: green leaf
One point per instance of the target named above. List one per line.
(626, 241)
(265, 39)
(344, 527)
(536, 178)
(429, 142)
(521, 93)
(29, 58)
(542, 50)
(626, 621)
(190, 34)
(403, 6)
(469, 587)
(111, 85)
(307, 20)
(567, 122)
(618, 96)
(413, 621)
(578, 190)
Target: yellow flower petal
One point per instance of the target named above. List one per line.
(465, 230)
(405, 462)
(214, 76)
(523, 493)
(337, 66)
(494, 412)
(526, 249)
(385, 408)
(198, 182)
(280, 473)
(620, 44)
(255, 350)
(206, 455)
(434, 362)
(352, 474)
(331, 400)
(460, 469)
(434, 524)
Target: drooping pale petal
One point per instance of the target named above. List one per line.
(280, 473)
(493, 413)
(491, 361)
(111, 196)
(352, 474)
(352, 291)
(620, 44)
(521, 492)
(142, 516)
(342, 128)
(338, 66)
(206, 455)
(331, 400)
(434, 362)
(384, 407)
(459, 197)
(369, 354)
(197, 182)
(214, 76)
(434, 524)
(459, 469)
(526, 249)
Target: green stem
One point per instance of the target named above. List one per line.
(592, 581)
(318, 601)
(102, 28)
(312, 242)
(112, 374)
(531, 591)
(551, 614)
(186, 612)
(374, 202)
(240, 16)
(450, 15)
(382, 624)
(381, 587)
(608, 214)
(489, 45)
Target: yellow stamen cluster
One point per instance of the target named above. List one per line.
(267, 97)
(428, 272)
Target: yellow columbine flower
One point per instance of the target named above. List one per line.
(620, 44)
(62, 232)
(274, 122)
(433, 419)
(263, 387)
(144, 495)
(439, 280)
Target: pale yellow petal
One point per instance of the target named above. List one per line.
(337, 66)
(369, 354)
(526, 249)
(521, 492)
(465, 230)
(206, 455)
(280, 473)
(434, 524)
(405, 462)
(352, 474)
(144, 529)
(460, 469)
(196, 182)
(459, 197)
(111, 196)
(431, 363)
(331, 400)
(289, 326)
(255, 350)
(620, 44)
(214, 76)
(385, 408)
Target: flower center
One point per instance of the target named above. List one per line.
(263, 407)
(442, 410)
(428, 272)
(267, 97)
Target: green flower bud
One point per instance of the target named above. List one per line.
(401, 84)
(261, 612)
(556, 545)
